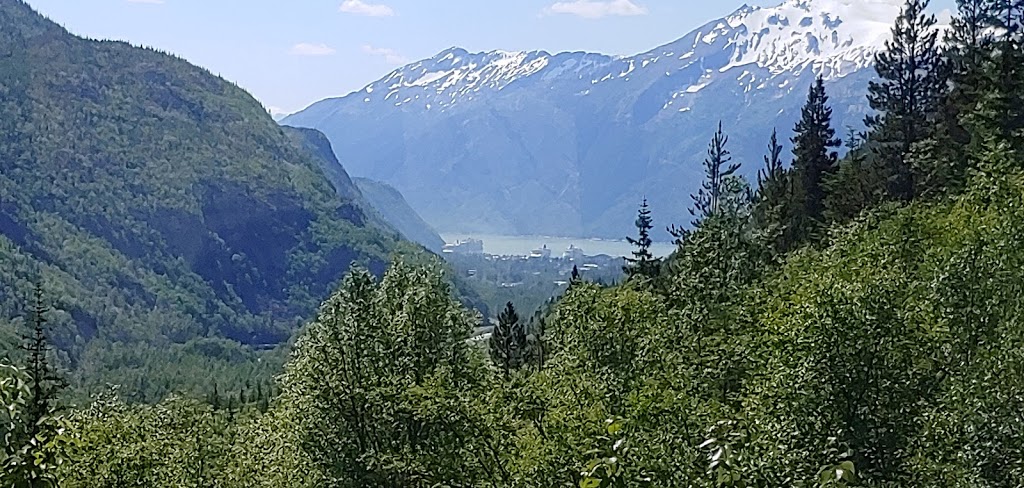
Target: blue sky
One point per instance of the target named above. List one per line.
(292, 53)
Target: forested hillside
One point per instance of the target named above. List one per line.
(169, 220)
(850, 321)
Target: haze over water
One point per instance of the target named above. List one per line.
(522, 245)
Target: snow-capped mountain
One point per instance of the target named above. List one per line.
(539, 143)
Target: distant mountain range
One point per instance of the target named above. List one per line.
(569, 143)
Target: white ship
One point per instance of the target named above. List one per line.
(468, 246)
(573, 253)
(542, 253)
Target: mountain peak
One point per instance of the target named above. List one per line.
(831, 37)
(578, 126)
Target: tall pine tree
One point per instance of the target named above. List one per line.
(718, 167)
(814, 159)
(509, 341)
(774, 196)
(907, 95)
(642, 264)
(1009, 89)
(858, 184)
(43, 380)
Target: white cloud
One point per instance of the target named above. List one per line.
(595, 9)
(308, 49)
(278, 113)
(147, 2)
(359, 7)
(390, 55)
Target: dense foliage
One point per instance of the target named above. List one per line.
(171, 222)
(885, 348)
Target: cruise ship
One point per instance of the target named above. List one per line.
(468, 246)
(573, 253)
(542, 253)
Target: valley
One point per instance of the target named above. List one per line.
(819, 286)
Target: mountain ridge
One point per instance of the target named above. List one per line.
(535, 143)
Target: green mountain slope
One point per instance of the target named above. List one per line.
(158, 205)
(396, 210)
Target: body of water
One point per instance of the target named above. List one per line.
(522, 245)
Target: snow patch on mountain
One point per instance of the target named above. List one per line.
(459, 126)
(832, 37)
(837, 36)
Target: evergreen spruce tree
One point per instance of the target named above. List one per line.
(858, 184)
(509, 341)
(813, 161)
(575, 275)
(43, 380)
(969, 38)
(214, 399)
(718, 168)
(1009, 89)
(906, 97)
(773, 200)
(642, 264)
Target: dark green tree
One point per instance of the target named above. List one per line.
(575, 274)
(642, 264)
(774, 196)
(1008, 95)
(814, 159)
(858, 184)
(969, 38)
(214, 398)
(910, 86)
(43, 380)
(509, 341)
(718, 168)
(940, 162)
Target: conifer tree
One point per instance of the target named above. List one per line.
(214, 399)
(642, 264)
(508, 341)
(970, 36)
(1009, 89)
(774, 193)
(910, 88)
(814, 159)
(575, 275)
(43, 380)
(858, 184)
(718, 168)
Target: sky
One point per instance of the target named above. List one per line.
(290, 54)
